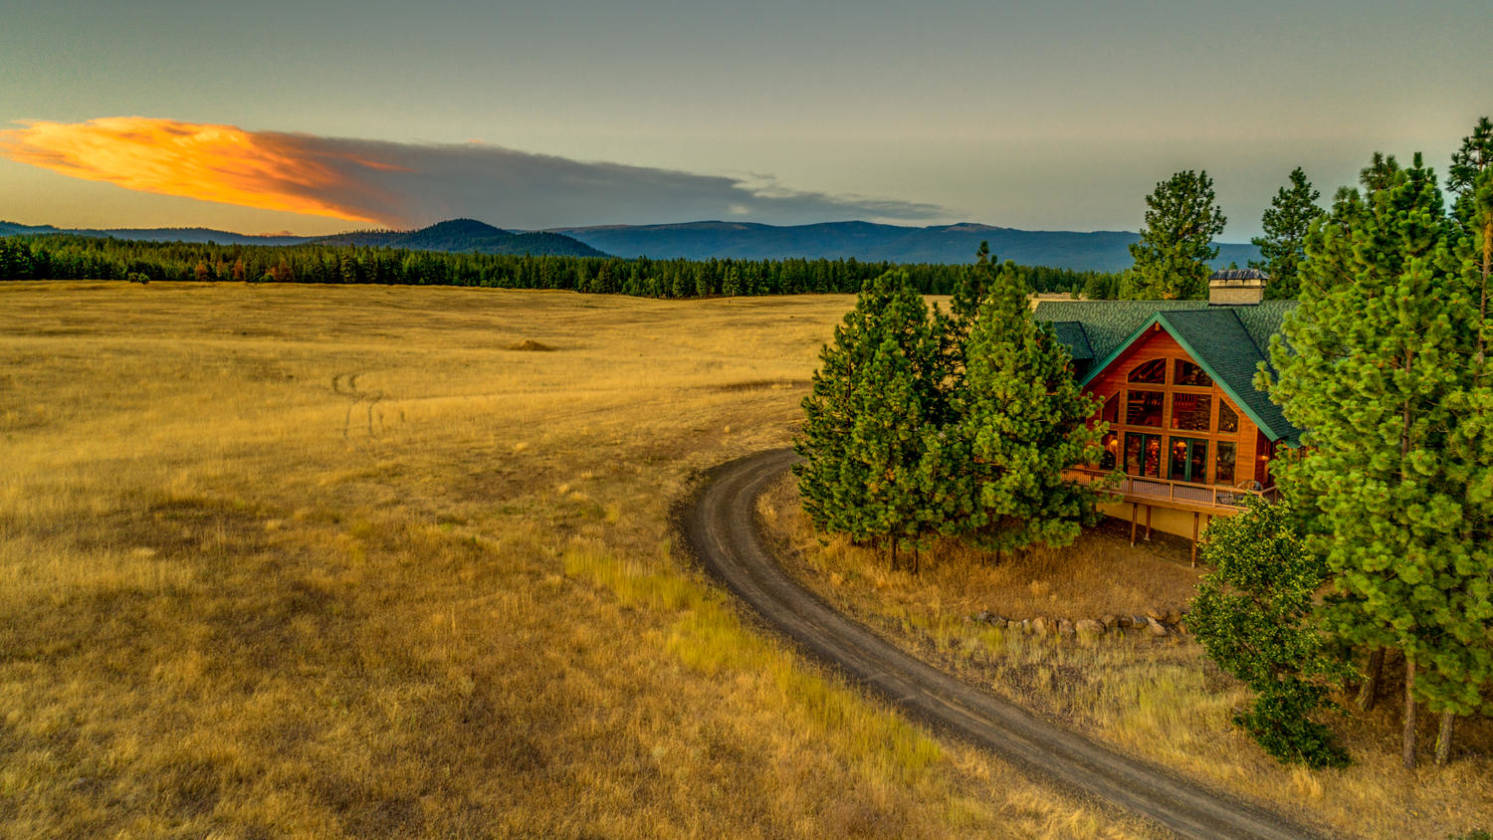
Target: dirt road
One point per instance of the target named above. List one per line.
(720, 525)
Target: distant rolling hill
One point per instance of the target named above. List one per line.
(456, 235)
(467, 235)
(222, 237)
(1099, 250)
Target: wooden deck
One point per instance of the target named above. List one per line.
(1215, 499)
(1203, 501)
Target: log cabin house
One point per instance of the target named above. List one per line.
(1191, 435)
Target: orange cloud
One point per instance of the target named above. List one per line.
(409, 184)
(221, 163)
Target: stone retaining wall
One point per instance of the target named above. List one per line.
(1158, 623)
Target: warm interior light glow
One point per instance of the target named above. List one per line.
(221, 163)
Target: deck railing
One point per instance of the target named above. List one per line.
(1160, 491)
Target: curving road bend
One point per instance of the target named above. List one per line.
(720, 524)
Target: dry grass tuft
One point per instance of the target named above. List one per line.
(241, 597)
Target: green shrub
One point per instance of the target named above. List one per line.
(1254, 615)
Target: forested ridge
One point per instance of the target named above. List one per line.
(67, 257)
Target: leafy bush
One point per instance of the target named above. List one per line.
(1254, 615)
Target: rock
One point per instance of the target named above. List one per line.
(1108, 621)
(1173, 617)
(1088, 628)
(1156, 613)
(1156, 627)
(1124, 621)
(993, 619)
(1065, 627)
(1026, 625)
(1041, 626)
(1139, 620)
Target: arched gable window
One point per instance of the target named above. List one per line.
(1188, 373)
(1149, 373)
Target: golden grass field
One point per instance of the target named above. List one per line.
(336, 562)
(1159, 699)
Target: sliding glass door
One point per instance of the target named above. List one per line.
(1189, 460)
(1143, 454)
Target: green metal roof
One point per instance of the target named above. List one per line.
(1071, 333)
(1229, 342)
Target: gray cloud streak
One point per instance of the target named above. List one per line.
(410, 185)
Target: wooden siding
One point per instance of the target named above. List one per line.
(1248, 441)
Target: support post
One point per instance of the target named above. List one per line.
(1195, 517)
(1148, 523)
(1134, 509)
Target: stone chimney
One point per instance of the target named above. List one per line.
(1236, 287)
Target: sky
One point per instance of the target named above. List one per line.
(316, 117)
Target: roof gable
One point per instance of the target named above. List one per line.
(1218, 341)
(1229, 342)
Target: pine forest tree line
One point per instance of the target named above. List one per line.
(70, 257)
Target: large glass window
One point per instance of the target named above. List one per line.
(1143, 454)
(1188, 373)
(1111, 446)
(1143, 408)
(1228, 421)
(1223, 471)
(1149, 373)
(1192, 412)
(1112, 409)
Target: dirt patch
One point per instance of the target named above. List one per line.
(529, 345)
(762, 385)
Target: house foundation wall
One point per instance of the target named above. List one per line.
(1175, 522)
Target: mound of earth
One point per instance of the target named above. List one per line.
(529, 345)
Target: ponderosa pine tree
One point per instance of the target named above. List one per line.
(969, 294)
(1255, 616)
(995, 474)
(1368, 364)
(1286, 223)
(876, 395)
(1468, 162)
(1462, 672)
(890, 426)
(1176, 243)
(972, 289)
(831, 483)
